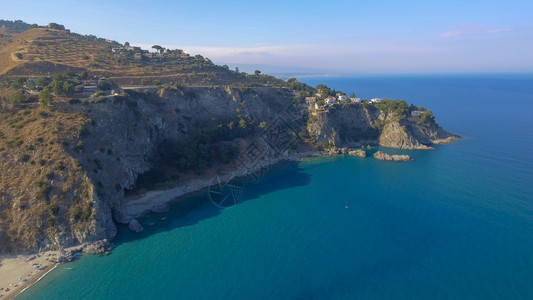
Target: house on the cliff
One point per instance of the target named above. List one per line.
(330, 100)
(310, 100)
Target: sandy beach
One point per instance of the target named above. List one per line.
(19, 272)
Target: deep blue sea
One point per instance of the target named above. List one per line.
(455, 223)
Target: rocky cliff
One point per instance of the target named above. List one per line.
(356, 125)
(118, 145)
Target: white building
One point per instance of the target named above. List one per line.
(310, 100)
(341, 97)
(355, 100)
(330, 100)
(375, 100)
(415, 113)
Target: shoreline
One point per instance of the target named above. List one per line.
(140, 206)
(20, 272)
(134, 208)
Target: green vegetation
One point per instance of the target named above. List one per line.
(398, 107)
(426, 117)
(325, 91)
(45, 97)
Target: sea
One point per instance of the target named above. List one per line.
(454, 223)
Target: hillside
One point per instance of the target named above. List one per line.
(77, 151)
(42, 51)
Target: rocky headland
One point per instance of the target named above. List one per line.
(138, 143)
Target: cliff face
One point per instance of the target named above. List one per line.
(349, 126)
(126, 133)
(414, 133)
(358, 125)
(109, 142)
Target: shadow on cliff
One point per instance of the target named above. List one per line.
(196, 208)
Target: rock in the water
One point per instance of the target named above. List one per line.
(161, 208)
(357, 152)
(384, 156)
(135, 226)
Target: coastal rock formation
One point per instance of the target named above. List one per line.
(384, 156)
(344, 127)
(357, 152)
(161, 208)
(135, 226)
(98, 247)
(360, 125)
(120, 139)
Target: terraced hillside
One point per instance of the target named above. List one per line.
(43, 51)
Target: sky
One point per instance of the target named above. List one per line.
(344, 37)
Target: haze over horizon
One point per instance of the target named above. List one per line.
(311, 36)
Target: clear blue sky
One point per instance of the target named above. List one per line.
(338, 36)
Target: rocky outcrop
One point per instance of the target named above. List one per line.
(410, 133)
(349, 151)
(135, 226)
(384, 156)
(121, 138)
(357, 125)
(357, 152)
(160, 208)
(344, 127)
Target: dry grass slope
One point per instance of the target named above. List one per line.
(44, 192)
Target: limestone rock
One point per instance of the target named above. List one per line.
(135, 226)
(98, 247)
(357, 152)
(161, 208)
(384, 156)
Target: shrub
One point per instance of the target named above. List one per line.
(83, 132)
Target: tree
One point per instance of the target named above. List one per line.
(68, 89)
(237, 70)
(158, 48)
(45, 97)
(127, 44)
(16, 97)
(257, 72)
(56, 26)
(57, 86)
(104, 85)
(263, 125)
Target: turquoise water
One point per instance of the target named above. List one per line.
(455, 223)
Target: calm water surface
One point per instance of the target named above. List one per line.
(455, 223)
